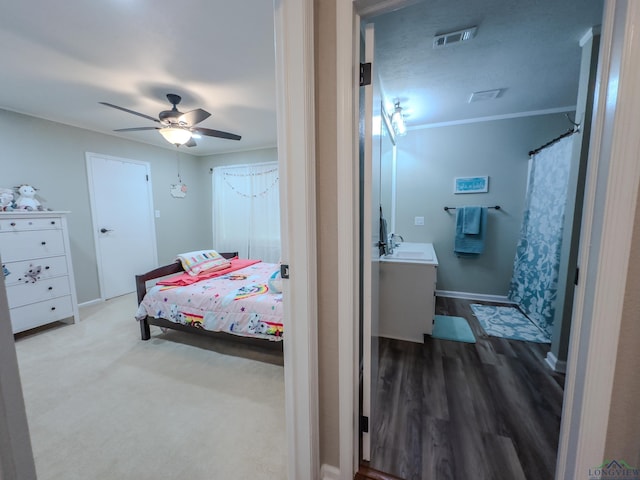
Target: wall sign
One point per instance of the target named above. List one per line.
(471, 184)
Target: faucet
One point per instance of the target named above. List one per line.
(392, 241)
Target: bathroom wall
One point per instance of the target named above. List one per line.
(429, 159)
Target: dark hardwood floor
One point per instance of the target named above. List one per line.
(451, 410)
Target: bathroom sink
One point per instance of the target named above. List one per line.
(417, 252)
(408, 254)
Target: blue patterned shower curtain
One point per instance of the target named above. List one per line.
(535, 271)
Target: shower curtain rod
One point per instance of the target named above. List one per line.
(557, 139)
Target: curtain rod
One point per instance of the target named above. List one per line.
(446, 209)
(557, 139)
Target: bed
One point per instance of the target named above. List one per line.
(241, 303)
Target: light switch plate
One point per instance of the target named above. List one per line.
(418, 221)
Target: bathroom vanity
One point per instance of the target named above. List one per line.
(407, 292)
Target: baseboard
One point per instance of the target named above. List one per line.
(328, 472)
(474, 296)
(404, 339)
(556, 365)
(90, 302)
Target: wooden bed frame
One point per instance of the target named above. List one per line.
(173, 268)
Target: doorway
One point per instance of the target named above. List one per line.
(444, 308)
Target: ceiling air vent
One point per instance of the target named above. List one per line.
(485, 95)
(450, 38)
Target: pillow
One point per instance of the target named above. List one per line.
(275, 282)
(198, 261)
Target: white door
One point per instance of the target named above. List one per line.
(123, 221)
(370, 115)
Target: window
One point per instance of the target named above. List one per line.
(246, 210)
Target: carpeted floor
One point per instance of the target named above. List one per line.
(103, 405)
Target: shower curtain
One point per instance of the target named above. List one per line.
(535, 271)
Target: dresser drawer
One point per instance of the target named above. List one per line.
(22, 224)
(27, 244)
(48, 267)
(25, 293)
(41, 313)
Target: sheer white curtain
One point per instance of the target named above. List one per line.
(246, 210)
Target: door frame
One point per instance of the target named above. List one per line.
(16, 453)
(348, 194)
(370, 239)
(295, 100)
(90, 156)
(603, 260)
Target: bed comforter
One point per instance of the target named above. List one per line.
(239, 303)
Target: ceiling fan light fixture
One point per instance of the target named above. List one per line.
(176, 136)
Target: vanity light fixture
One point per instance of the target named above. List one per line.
(397, 121)
(175, 135)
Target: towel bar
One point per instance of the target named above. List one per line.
(446, 209)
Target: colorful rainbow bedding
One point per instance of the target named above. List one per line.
(239, 303)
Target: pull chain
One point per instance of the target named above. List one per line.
(178, 163)
(178, 190)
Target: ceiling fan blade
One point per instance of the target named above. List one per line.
(135, 129)
(130, 111)
(191, 143)
(193, 117)
(216, 133)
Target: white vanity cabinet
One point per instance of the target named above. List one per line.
(34, 247)
(407, 292)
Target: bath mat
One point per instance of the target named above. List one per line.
(508, 322)
(452, 328)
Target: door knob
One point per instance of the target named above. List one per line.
(105, 230)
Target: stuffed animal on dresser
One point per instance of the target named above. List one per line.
(27, 198)
(6, 200)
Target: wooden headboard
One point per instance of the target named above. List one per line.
(175, 267)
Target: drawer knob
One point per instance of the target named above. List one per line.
(53, 308)
(44, 243)
(47, 267)
(50, 288)
(13, 224)
(53, 222)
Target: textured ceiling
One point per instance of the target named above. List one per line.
(527, 48)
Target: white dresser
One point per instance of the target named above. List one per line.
(34, 247)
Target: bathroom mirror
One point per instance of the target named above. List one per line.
(388, 172)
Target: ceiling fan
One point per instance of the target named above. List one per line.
(177, 127)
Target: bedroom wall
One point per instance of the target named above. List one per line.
(51, 156)
(429, 159)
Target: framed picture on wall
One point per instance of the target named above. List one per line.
(471, 184)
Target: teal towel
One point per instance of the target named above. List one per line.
(467, 244)
(471, 220)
